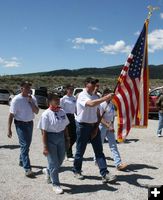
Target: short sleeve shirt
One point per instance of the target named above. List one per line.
(110, 111)
(68, 104)
(51, 121)
(21, 109)
(85, 113)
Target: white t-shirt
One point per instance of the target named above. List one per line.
(68, 104)
(21, 109)
(53, 121)
(85, 113)
(110, 111)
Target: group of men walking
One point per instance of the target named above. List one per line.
(88, 118)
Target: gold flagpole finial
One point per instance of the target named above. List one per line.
(150, 10)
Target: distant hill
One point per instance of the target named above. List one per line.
(52, 79)
(156, 72)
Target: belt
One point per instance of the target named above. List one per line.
(22, 122)
(87, 124)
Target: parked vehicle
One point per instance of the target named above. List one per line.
(77, 91)
(41, 96)
(4, 95)
(60, 90)
(153, 96)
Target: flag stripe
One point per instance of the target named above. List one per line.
(126, 107)
(129, 91)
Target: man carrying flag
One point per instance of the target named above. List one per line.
(131, 93)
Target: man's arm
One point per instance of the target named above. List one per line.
(35, 108)
(44, 141)
(10, 120)
(96, 102)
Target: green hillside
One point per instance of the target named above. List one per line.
(156, 72)
(107, 76)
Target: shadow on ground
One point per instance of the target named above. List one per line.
(136, 167)
(40, 168)
(133, 179)
(10, 147)
(127, 141)
(87, 188)
(92, 159)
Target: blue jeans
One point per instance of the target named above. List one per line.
(56, 148)
(24, 132)
(83, 132)
(160, 124)
(112, 144)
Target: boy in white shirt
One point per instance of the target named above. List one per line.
(53, 125)
(107, 130)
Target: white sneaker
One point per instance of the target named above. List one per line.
(70, 159)
(29, 173)
(159, 135)
(57, 189)
(47, 176)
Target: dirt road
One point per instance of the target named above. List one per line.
(143, 151)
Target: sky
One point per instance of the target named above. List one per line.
(45, 35)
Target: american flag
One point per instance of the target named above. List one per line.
(131, 93)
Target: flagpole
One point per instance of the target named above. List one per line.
(150, 11)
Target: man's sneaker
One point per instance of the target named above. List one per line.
(159, 135)
(79, 176)
(47, 176)
(57, 189)
(122, 167)
(70, 159)
(109, 178)
(29, 173)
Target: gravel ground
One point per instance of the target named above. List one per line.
(142, 151)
